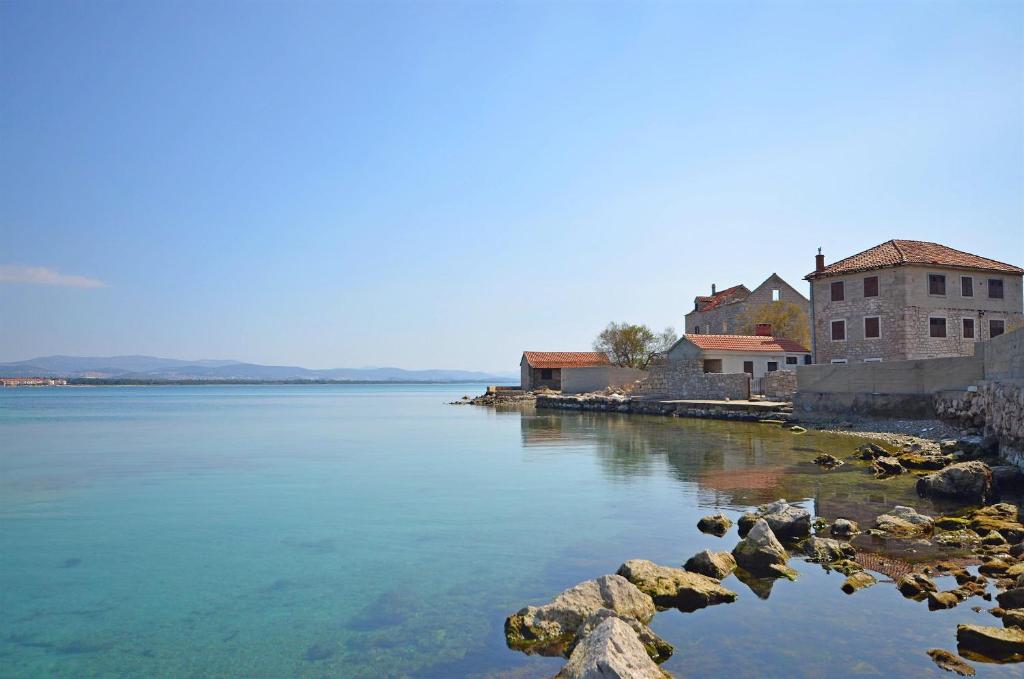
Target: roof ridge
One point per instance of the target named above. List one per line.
(895, 244)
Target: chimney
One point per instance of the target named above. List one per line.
(819, 262)
(763, 329)
(712, 288)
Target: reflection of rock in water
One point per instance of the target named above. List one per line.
(761, 587)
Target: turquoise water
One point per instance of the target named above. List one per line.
(374, 531)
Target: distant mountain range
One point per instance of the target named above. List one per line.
(151, 368)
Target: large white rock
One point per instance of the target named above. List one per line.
(558, 620)
(760, 550)
(611, 651)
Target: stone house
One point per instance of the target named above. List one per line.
(905, 300)
(723, 312)
(755, 355)
(544, 368)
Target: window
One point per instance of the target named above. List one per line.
(872, 327)
(712, 365)
(748, 367)
(838, 291)
(807, 359)
(967, 286)
(838, 331)
(775, 295)
(773, 366)
(936, 284)
(996, 328)
(871, 286)
(838, 361)
(995, 288)
(791, 360)
(696, 330)
(936, 327)
(968, 328)
(545, 373)
(872, 360)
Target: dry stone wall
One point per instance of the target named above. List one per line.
(995, 409)
(687, 380)
(780, 385)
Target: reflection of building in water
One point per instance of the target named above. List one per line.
(726, 464)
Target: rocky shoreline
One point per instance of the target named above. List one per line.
(601, 626)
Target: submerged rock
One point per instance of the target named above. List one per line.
(611, 651)
(715, 565)
(858, 581)
(760, 550)
(887, 466)
(826, 550)
(715, 524)
(657, 648)
(940, 600)
(915, 585)
(828, 461)
(844, 528)
(555, 623)
(990, 643)
(904, 522)
(965, 480)
(675, 587)
(949, 662)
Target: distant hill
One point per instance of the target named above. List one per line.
(151, 368)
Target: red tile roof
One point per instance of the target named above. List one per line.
(709, 302)
(565, 359)
(746, 343)
(898, 252)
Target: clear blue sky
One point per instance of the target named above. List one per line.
(446, 184)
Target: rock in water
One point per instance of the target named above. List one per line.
(828, 461)
(940, 600)
(904, 522)
(915, 585)
(788, 522)
(611, 651)
(990, 643)
(966, 480)
(1011, 598)
(674, 587)
(555, 623)
(887, 466)
(858, 581)
(657, 648)
(844, 528)
(826, 550)
(715, 524)
(760, 550)
(949, 662)
(1013, 618)
(715, 565)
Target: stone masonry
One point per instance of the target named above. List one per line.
(726, 316)
(995, 409)
(687, 380)
(780, 385)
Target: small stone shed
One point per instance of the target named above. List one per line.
(751, 354)
(544, 368)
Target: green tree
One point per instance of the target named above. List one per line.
(633, 346)
(787, 320)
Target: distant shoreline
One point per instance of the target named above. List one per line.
(113, 382)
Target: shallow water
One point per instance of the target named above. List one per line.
(374, 531)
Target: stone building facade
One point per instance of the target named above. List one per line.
(723, 312)
(905, 300)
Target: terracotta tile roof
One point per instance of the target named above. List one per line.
(897, 252)
(565, 359)
(734, 294)
(746, 343)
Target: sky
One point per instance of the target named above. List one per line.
(446, 184)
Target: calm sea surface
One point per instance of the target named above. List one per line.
(374, 531)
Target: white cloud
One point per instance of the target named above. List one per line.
(41, 275)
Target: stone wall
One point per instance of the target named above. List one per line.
(994, 409)
(687, 380)
(780, 385)
(728, 318)
(598, 378)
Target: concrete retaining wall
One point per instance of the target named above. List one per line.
(922, 376)
(598, 378)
